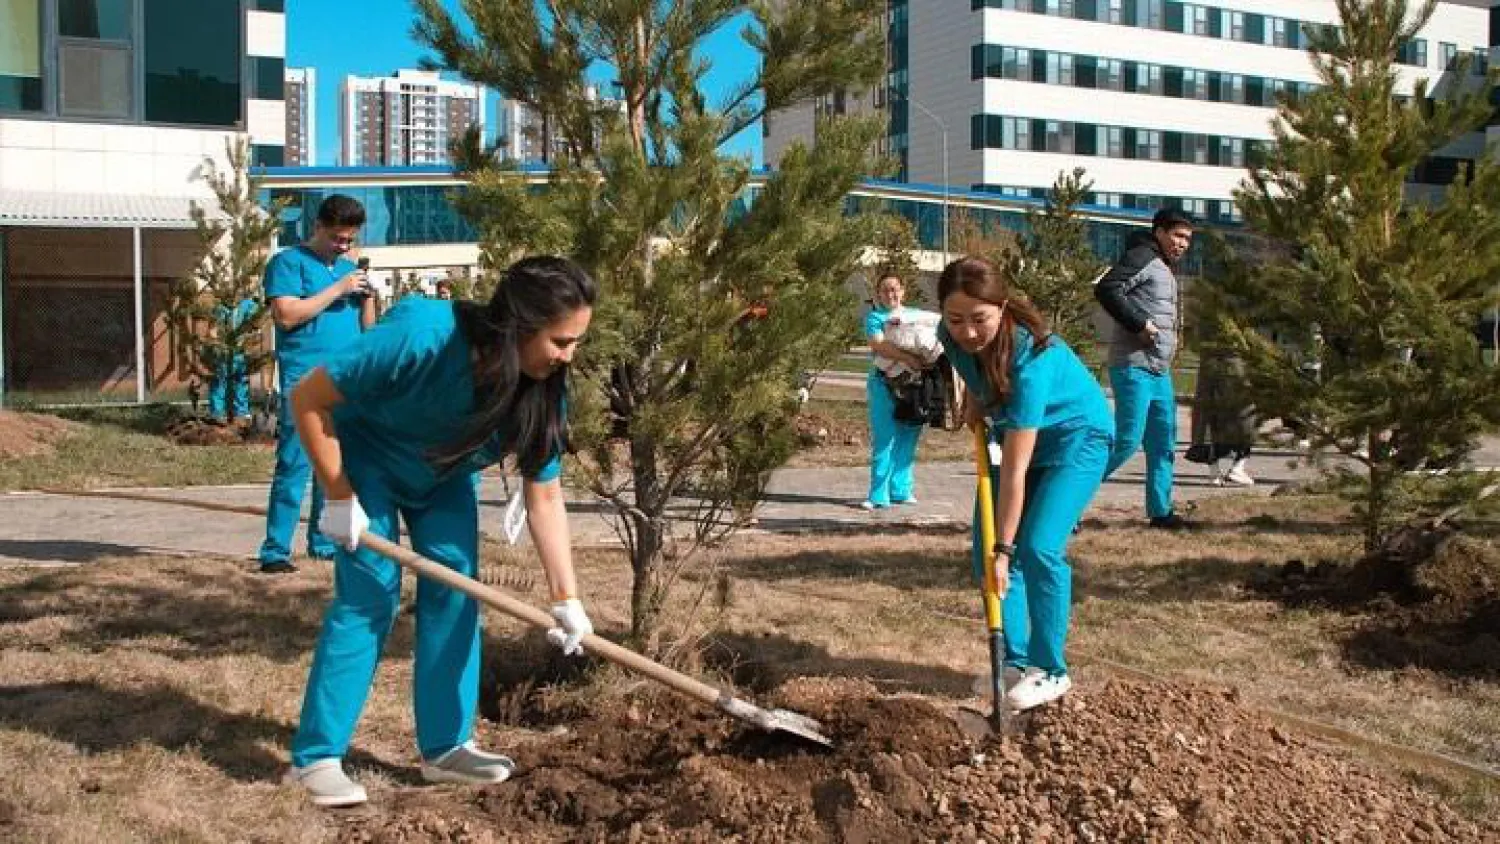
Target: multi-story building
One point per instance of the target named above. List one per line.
(404, 120)
(1160, 101)
(527, 138)
(301, 116)
(108, 110)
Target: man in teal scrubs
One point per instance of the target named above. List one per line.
(320, 301)
(229, 389)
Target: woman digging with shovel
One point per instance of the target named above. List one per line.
(399, 425)
(1055, 427)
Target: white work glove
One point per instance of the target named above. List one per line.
(343, 521)
(574, 625)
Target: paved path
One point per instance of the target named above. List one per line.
(47, 529)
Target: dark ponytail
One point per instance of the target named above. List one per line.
(533, 293)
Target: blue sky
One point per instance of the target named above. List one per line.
(373, 38)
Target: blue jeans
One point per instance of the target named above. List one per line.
(893, 446)
(1146, 414)
(293, 471)
(1039, 603)
(366, 596)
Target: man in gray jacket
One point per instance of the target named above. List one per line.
(1141, 296)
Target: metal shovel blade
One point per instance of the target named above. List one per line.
(774, 720)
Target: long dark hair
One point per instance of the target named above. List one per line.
(533, 293)
(979, 279)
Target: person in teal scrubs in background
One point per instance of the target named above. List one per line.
(893, 443)
(397, 428)
(1056, 430)
(320, 301)
(229, 388)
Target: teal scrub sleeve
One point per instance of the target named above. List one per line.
(875, 322)
(283, 278)
(1031, 378)
(384, 362)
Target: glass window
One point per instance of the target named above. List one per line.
(1054, 136)
(269, 5)
(192, 62)
(105, 20)
(270, 78)
(1116, 142)
(1278, 32)
(1449, 55)
(1116, 11)
(20, 55)
(94, 80)
(1237, 26)
(1065, 67)
(1200, 20)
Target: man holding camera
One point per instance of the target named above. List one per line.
(320, 301)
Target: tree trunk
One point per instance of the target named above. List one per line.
(650, 536)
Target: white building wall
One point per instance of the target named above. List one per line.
(942, 34)
(265, 37)
(939, 81)
(95, 158)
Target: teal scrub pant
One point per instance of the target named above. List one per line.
(893, 446)
(229, 391)
(293, 471)
(1146, 414)
(366, 596)
(1039, 602)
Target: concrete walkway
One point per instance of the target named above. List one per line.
(44, 529)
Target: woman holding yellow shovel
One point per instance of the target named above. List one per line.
(1049, 414)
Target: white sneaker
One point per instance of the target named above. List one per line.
(1238, 476)
(867, 504)
(468, 764)
(327, 784)
(1037, 689)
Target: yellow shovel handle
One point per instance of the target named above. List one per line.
(986, 497)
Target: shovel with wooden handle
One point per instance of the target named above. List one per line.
(770, 720)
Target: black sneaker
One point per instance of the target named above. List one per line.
(1170, 521)
(278, 567)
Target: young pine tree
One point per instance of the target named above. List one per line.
(218, 311)
(1058, 266)
(711, 304)
(1382, 288)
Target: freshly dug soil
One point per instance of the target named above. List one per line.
(204, 431)
(30, 434)
(1116, 761)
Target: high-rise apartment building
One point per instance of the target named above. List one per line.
(406, 119)
(301, 116)
(108, 109)
(1160, 101)
(527, 138)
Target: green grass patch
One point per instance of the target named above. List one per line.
(124, 446)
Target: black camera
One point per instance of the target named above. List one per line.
(364, 293)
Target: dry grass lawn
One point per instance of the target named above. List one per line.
(152, 699)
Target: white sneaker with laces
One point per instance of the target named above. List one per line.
(1037, 689)
(327, 784)
(468, 764)
(1238, 476)
(867, 505)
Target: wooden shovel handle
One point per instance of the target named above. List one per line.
(494, 598)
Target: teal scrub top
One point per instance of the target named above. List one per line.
(1051, 392)
(299, 272)
(408, 388)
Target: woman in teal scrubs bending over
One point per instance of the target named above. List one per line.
(1049, 414)
(398, 425)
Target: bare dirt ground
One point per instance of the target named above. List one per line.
(147, 699)
(29, 434)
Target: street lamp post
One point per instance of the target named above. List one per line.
(943, 127)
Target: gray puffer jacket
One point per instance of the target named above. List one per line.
(1140, 287)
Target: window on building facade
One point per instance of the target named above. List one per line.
(1448, 55)
(193, 66)
(95, 58)
(21, 55)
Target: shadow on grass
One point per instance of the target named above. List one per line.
(98, 719)
(899, 569)
(180, 613)
(142, 419)
(1209, 578)
(67, 550)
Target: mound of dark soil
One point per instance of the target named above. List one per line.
(1119, 761)
(203, 431)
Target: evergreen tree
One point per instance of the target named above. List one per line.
(1383, 292)
(712, 304)
(1057, 264)
(218, 312)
